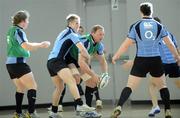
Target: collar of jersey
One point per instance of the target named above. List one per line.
(92, 39)
(71, 29)
(147, 18)
(18, 26)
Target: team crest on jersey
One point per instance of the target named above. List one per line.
(148, 25)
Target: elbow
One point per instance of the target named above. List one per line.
(29, 48)
(25, 47)
(125, 48)
(171, 46)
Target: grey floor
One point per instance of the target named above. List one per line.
(129, 111)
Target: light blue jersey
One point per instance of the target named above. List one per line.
(166, 55)
(64, 43)
(147, 33)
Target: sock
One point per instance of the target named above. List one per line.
(78, 102)
(165, 96)
(126, 92)
(96, 92)
(19, 100)
(54, 109)
(81, 81)
(81, 92)
(62, 96)
(31, 95)
(89, 95)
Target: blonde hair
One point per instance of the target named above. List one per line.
(71, 17)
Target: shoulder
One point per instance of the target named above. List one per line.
(84, 38)
(134, 24)
(100, 45)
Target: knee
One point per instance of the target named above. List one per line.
(77, 78)
(20, 89)
(33, 85)
(161, 85)
(59, 89)
(131, 87)
(177, 82)
(90, 84)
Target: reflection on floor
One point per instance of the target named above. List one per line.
(129, 111)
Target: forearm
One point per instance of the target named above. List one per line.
(173, 50)
(122, 49)
(171, 47)
(104, 66)
(85, 67)
(178, 51)
(85, 54)
(31, 46)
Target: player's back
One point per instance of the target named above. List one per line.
(63, 43)
(147, 34)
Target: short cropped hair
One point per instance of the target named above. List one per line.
(146, 8)
(71, 17)
(96, 27)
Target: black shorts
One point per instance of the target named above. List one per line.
(17, 70)
(144, 65)
(70, 59)
(172, 70)
(55, 65)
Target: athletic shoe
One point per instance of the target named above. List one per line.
(18, 115)
(116, 112)
(154, 110)
(54, 115)
(90, 114)
(99, 104)
(60, 108)
(84, 108)
(31, 115)
(168, 113)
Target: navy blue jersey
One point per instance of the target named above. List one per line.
(147, 33)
